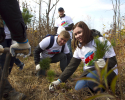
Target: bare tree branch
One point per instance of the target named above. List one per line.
(35, 2)
(45, 2)
(52, 24)
(53, 5)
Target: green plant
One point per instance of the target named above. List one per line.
(50, 75)
(45, 63)
(62, 85)
(103, 82)
(101, 48)
(26, 15)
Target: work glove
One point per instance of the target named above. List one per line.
(37, 67)
(13, 42)
(2, 35)
(53, 84)
(101, 63)
(1, 47)
(20, 46)
(19, 54)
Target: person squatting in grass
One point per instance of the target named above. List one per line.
(11, 14)
(55, 52)
(84, 51)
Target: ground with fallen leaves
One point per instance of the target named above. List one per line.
(35, 88)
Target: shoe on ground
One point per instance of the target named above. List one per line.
(21, 67)
(41, 73)
(14, 95)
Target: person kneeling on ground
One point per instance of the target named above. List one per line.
(58, 51)
(85, 49)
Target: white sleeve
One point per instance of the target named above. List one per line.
(56, 23)
(70, 20)
(110, 53)
(66, 49)
(75, 55)
(13, 42)
(44, 43)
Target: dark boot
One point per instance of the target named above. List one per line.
(14, 95)
(41, 73)
(9, 93)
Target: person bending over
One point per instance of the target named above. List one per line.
(57, 52)
(84, 44)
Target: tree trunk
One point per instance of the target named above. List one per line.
(39, 20)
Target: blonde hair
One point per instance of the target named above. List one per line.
(65, 34)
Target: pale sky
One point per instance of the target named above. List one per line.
(94, 13)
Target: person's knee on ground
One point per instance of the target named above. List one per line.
(80, 84)
(91, 84)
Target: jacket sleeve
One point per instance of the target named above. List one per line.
(2, 33)
(69, 27)
(111, 62)
(37, 52)
(70, 69)
(12, 16)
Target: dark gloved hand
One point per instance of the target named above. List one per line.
(2, 35)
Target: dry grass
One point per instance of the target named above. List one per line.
(35, 88)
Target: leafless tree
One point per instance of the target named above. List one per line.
(48, 10)
(44, 21)
(40, 19)
(116, 17)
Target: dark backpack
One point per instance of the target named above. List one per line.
(96, 33)
(52, 41)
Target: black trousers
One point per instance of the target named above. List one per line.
(7, 87)
(6, 43)
(11, 14)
